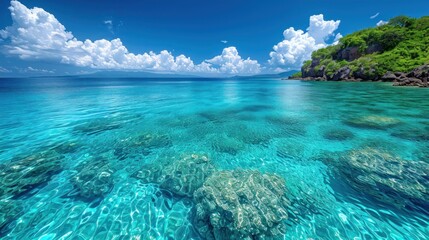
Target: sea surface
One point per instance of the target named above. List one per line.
(353, 156)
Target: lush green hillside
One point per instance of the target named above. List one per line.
(398, 46)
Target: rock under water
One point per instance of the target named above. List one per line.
(390, 179)
(241, 204)
(141, 144)
(337, 134)
(24, 173)
(225, 144)
(96, 126)
(93, 179)
(372, 122)
(181, 176)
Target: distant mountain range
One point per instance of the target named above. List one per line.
(122, 74)
(277, 75)
(139, 74)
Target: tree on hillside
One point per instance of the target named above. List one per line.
(401, 21)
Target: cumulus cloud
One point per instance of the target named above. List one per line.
(298, 45)
(224, 41)
(374, 16)
(381, 23)
(37, 34)
(231, 62)
(320, 29)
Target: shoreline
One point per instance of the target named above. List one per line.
(415, 78)
(393, 84)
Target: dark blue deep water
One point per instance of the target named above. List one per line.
(354, 158)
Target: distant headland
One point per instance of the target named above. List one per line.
(397, 51)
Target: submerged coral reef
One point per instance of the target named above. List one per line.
(372, 122)
(96, 126)
(386, 177)
(181, 176)
(235, 204)
(337, 134)
(225, 144)
(20, 176)
(141, 144)
(241, 204)
(412, 133)
(93, 179)
(66, 147)
(23, 173)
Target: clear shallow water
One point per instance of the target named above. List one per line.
(288, 128)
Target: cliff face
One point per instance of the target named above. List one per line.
(318, 71)
(417, 77)
(396, 52)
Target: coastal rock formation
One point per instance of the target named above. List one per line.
(417, 77)
(181, 176)
(349, 54)
(352, 53)
(387, 178)
(93, 179)
(313, 70)
(318, 72)
(241, 204)
(384, 53)
(24, 173)
(342, 73)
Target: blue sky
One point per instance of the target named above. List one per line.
(213, 38)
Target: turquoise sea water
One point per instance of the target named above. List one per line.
(332, 143)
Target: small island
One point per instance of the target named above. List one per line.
(393, 52)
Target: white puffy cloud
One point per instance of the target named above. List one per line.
(34, 33)
(381, 23)
(37, 34)
(320, 29)
(298, 45)
(230, 62)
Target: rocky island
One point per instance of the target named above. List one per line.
(397, 52)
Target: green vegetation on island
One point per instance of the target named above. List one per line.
(396, 48)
